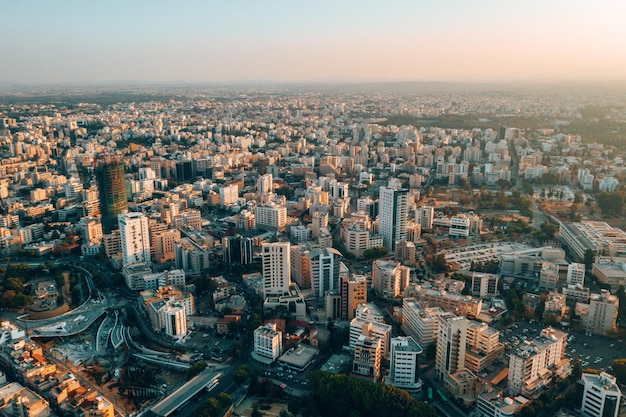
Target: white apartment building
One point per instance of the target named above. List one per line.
(533, 364)
(576, 274)
(271, 217)
(134, 238)
(459, 226)
(484, 285)
(229, 194)
(419, 322)
(276, 268)
(404, 364)
(268, 343)
(601, 395)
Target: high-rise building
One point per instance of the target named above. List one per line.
(367, 357)
(451, 342)
(111, 179)
(276, 268)
(393, 215)
(237, 249)
(600, 395)
(324, 270)
(300, 270)
(135, 238)
(404, 364)
(353, 293)
(368, 321)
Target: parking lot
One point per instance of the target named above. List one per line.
(593, 351)
(289, 376)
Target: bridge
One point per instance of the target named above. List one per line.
(181, 397)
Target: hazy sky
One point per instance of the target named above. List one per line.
(50, 41)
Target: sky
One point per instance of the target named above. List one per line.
(68, 41)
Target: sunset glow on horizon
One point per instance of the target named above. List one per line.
(280, 41)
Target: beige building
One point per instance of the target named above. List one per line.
(602, 313)
(549, 276)
(389, 278)
(367, 358)
(483, 346)
(353, 293)
(463, 305)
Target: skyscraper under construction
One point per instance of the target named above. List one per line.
(111, 179)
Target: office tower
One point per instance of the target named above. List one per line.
(389, 278)
(175, 321)
(111, 180)
(353, 293)
(393, 217)
(451, 342)
(404, 364)
(276, 268)
(576, 274)
(600, 396)
(268, 343)
(367, 358)
(425, 216)
(324, 270)
(189, 218)
(237, 249)
(135, 238)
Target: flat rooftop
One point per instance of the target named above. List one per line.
(299, 357)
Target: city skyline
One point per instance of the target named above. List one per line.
(47, 43)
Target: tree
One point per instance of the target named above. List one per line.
(376, 252)
(589, 259)
(196, 368)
